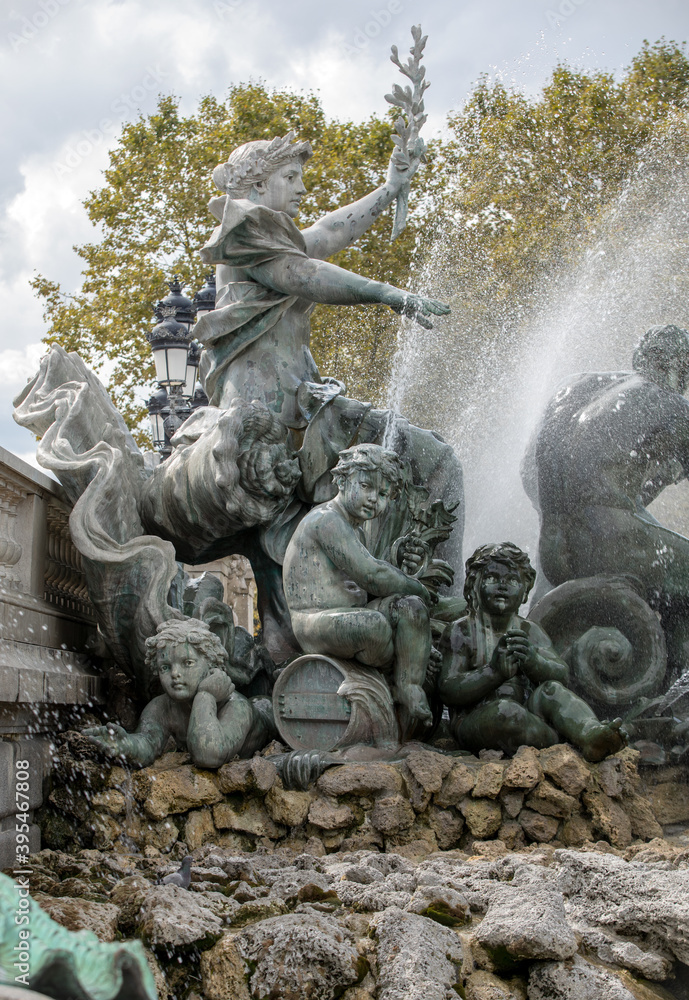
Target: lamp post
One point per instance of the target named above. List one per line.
(177, 356)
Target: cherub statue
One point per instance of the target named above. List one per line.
(500, 674)
(199, 707)
(345, 602)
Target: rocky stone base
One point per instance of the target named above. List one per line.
(430, 802)
(542, 924)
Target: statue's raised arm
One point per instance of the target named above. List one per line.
(270, 273)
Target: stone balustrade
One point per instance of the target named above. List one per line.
(46, 625)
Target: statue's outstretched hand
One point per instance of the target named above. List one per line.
(418, 308)
(218, 684)
(110, 737)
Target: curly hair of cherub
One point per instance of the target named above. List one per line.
(369, 458)
(507, 554)
(191, 630)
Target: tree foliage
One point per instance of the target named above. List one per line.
(511, 196)
(531, 176)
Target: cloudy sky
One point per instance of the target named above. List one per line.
(73, 71)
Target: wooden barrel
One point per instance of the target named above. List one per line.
(321, 702)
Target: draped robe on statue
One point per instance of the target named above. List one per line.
(256, 346)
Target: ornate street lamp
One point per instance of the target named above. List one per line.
(193, 360)
(158, 410)
(177, 357)
(170, 342)
(177, 305)
(204, 300)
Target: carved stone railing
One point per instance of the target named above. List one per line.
(46, 627)
(65, 583)
(11, 496)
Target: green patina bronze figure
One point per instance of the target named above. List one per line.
(40, 955)
(500, 675)
(607, 445)
(199, 708)
(345, 602)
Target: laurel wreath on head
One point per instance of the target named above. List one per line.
(233, 177)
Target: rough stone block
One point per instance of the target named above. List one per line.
(512, 802)
(429, 768)
(528, 921)
(576, 831)
(392, 814)
(360, 779)
(257, 774)
(250, 817)
(110, 800)
(566, 768)
(440, 903)
(485, 986)
(328, 815)
(288, 807)
(483, 816)
(524, 770)
(644, 824)
(174, 917)
(176, 790)
(545, 798)
(224, 973)
(575, 980)
(536, 826)
(511, 834)
(81, 914)
(299, 955)
(416, 793)
(198, 828)
(670, 802)
(447, 826)
(609, 818)
(489, 780)
(416, 957)
(456, 785)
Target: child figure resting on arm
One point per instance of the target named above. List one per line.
(343, 601)
(199, 708)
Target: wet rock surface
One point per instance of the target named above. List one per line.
(538, 877)
(543, 923)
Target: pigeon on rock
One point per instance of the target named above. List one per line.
(182, 877)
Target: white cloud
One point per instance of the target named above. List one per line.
(17, 366)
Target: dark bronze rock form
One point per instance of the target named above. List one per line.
(500, 674)
(607, 445)
(612, 640)
(46, 956)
